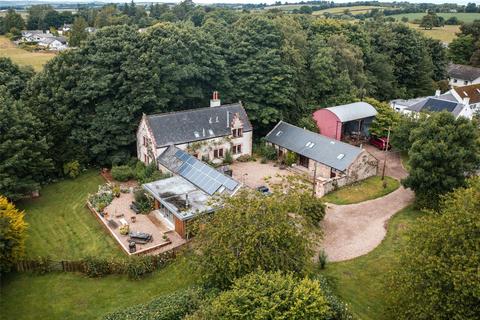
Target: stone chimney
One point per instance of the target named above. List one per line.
(215, 101)
(466, 101)
(438, 93)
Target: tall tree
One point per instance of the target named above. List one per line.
(24, 163)
(78, 33)
(14, 77)
(385, 119)
(437, 276)
(12, 234)
(13, 20)
(444, 152)
(461, 49)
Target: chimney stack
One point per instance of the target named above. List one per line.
(215, 101)
(466, 101)
(437, 93)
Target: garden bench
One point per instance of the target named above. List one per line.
(134, 207)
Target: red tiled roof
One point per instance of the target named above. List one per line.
(471, 91)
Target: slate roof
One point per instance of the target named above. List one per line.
(353, 111)
(195, 124)
(324, 150)
(463, 72)
(437, 105)
(471, 91)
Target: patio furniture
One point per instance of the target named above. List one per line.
(119, 215)
(132, 246)
(134, 207)
(112, 224)
(123, 222)
(134, 235)
(133, 219)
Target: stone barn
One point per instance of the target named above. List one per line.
(346, 120)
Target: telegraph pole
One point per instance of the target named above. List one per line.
(385, 154)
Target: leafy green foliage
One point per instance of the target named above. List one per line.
(166, 307)
(438, 272)
(269, 233)
(386, 118)
(12, 21)
(122, 173)
(78, 33)
(290, 158)
(400, 135)
(13, 77)
(24, 162)
(144, 202)
(71, 169)
(12, 234)
(261, 295)
(443, 152)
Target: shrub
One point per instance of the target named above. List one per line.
(116, 191)
(173, 306)
(290, 158)
(228, 159)
(322, 259)
(267, 151)
(124, 230)
(71, 169)
(122, 173)
(138, 266)
(102, 198)
(338, 307)
(144, 202)
(12, 234)
(245, 158)
(312, 208)
(44, 265)
(140, 169)
(96, 267)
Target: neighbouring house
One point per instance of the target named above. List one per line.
(460, 101)
(462, 75)
(44, 39)
(345, 120)
(330, 162)
(181, 198)
(206, 133)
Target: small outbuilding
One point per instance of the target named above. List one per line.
(345, 120)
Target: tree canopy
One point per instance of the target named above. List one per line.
(437, 275)
(443, 153)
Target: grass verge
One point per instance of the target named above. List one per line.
(361, 282)
(29, 296)
(60, 225)
(368, 189)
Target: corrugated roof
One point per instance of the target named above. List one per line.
(463, 72)
(353, 111)
(333, 153)
(196, 124)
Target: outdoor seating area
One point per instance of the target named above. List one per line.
(135, 232)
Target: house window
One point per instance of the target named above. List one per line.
(218, 153)
(145, 158)
(237, 132)
(144, 141)
(237, 149)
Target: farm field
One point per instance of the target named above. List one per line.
(74, 296)
(361, 282)
(353, 10)
(23, 57)
(367, 189)
(445, 34)
(60, 225)
(462, 16)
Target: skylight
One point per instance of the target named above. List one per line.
(309, 144)
(210, 132)
(197, 135)
(340, 156)
(279, 133)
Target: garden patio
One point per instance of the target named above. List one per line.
(118, 215)
(254, 174)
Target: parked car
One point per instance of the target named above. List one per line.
(380, 143)
(264, 190)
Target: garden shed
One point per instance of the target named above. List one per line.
(345, 120)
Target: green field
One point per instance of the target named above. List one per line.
(24, 57)
(445, 34)
(367, 189)
(60, 225)
(68, 296)
(462, 16)
(354, 10)
(361, 282)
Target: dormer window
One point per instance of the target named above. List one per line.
(237, 132)
(196, 134)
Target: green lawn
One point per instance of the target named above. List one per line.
(354, 10)
(462, 16)
(73, 296)
(404, 159)
(367, 189)
(445, 34)
(361, 282)
(24, 57)
(60, 225)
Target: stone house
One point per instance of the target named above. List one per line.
(330, 163)
(206, 133)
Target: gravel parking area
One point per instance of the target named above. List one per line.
(253, 173)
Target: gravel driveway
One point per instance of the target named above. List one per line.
(353, 230)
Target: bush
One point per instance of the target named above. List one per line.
(144, 202)
(124, 230)
(322, 259)
(71, 169)
(122, 173)
(166, 307)
(96, 267)
(290, 158)
(267, 151)
(245, 158)
(338, 307)
(12, 234)
(228, 159)
(102, 198)
(138, 266)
